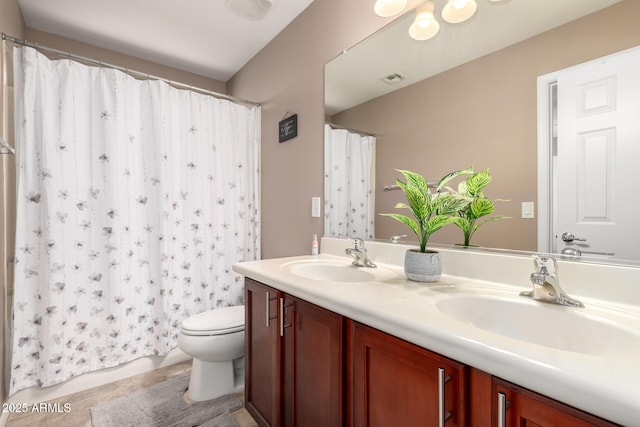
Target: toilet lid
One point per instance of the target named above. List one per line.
(219, 321)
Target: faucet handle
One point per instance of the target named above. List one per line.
(545, 264)
(537, 278)
(358, 244)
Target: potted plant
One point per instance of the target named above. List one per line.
(477, 206)
(431, 211)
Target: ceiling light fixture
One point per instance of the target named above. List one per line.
(387, 8)
(456, 11)
(249, 9)
(425, 25)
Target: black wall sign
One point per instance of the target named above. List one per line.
(288, 128)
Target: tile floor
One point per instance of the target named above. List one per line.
(79, 416)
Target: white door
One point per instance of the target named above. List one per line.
(598, 157)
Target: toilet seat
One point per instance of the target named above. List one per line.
(220, 321)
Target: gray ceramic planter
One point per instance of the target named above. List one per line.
(422, 267)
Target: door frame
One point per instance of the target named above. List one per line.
(545, 163)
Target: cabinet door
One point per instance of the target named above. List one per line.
(396, 383)
(262, 354)
(480, 386)
(524, 408)
(313, 340)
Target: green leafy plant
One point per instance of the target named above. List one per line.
(431, 210)
(477, 205)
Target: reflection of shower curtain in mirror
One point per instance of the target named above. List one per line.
(348, 184)
(134, 200)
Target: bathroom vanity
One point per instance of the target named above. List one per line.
(329, 344)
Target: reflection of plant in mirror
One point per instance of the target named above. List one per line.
(476, 206)
(431, 211)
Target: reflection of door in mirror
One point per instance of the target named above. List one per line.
(348, 183)
(595, 157)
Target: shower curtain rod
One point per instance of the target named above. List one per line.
(360, 132)
(127, 70)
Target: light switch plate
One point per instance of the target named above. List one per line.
(315, 207)
(528, 210)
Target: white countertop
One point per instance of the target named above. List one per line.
(606, 385)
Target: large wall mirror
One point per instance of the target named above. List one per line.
(469, 97)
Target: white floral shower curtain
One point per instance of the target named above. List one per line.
(134, 200)
(348, 184)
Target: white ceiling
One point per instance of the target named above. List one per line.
(356, 76)
(199, 36)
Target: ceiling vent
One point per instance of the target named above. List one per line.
(393, 78)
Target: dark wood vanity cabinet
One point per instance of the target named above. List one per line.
(294, 360)
(396, 383)
(307, 366)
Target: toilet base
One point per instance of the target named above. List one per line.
(213, 379)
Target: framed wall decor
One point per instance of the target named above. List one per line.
(288, 128)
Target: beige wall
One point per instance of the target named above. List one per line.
(288, 76)
(11, 23)
(483, 114)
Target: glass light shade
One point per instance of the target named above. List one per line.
(425, 25)
(459, 10)
(387, 8)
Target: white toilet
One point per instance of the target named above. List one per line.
(215, 340)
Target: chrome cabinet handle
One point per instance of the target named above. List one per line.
(282, 325)
(442, 415)
(503, 405)
(569, 237)
(267, 309)
(269, 318)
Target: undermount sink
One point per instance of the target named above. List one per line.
(563, 328)
(330, 271)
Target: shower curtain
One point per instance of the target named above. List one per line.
(348, 184)
(134, 200)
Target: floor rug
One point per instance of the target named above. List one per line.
(163, 405)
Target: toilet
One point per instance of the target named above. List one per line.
(215, 340)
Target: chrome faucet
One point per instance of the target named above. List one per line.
(546, 286)
(359, 254)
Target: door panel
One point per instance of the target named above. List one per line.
(262, 354)
(314, 345)
(526, 408)
(598, 148)
(396, 383)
